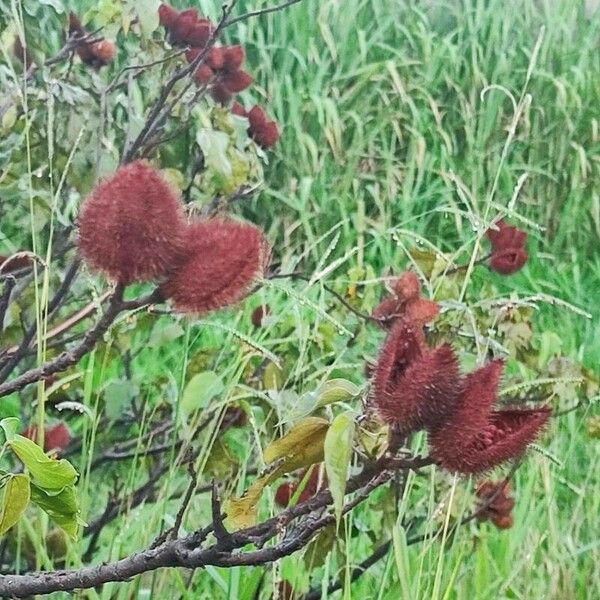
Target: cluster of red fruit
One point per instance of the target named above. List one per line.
(496, 503)
(416, 387)
(508, 248)
(95, 54)
(219, 69)
(132, 228)
(406, 302)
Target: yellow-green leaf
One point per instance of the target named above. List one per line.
(15, 501)
(336, 390)
(200, 390)
(301, 447)
(62, 508)
(338, 452)
(48, 473)
(304, 442)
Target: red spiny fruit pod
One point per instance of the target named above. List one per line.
(204, 75)
(56, 437)
(507, 262)
(427, 392)
(506, 236)
(221, 94)
(132, 227)
(167, 15)
(216, 58)
(257, 117)
(234, 58)
(508, 248)
(239, 110)
(104, 52)
(266, 135)
(201, 33)
(421, 310)
(183, 26)
(466, 445)
(388, 310)
(223, 260)
(503, 521)
(236, 81)
(407, 286)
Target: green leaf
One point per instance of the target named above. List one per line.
(164, 333)
(57, 5)
(10, 426)
(47, 473)
(147, 13)
(338, 452)
(62, 508)
(336, 390)
(301, 446)
(214, 146)
(118, 395)
(200, 390)
(15, 501)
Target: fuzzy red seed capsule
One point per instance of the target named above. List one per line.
(223, 260)
(236, 81)
(216, 58)
(507, 262)
(239, 110)
(167, 15)
(56, 437)
(221, 94)
(131, 227)
(257, 117)
(407, 286)
(266, 135)
(104, 51)
(204, 75)
(234, 58)
(183, 26)
(200, 33)
(503, 521)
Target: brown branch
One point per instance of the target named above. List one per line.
(262, 11)
(71, 357)
(188, 551)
